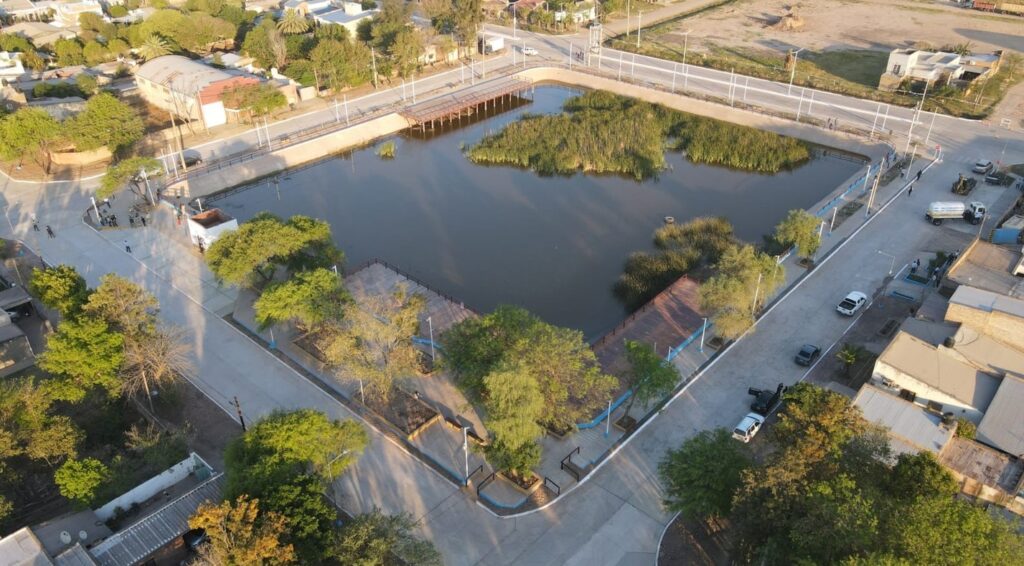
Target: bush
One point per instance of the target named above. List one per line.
(965, 428)
(56, 90)
(80, 480)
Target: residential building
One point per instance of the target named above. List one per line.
(911, 429)
(22, 548)
(189, 89)
(995, 315)
(39, 33)
(578, 13)
(348, 15)
(989, 266)
(11, 68)
(1002, 426)
(935, 68)
(66, 13)
(308, 7)
(21, 10)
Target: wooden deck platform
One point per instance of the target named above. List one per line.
(451, 106)
(666, 321)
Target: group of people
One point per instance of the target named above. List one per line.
(935, 277)
(35, 227)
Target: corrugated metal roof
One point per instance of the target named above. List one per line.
(181, 74)
(153, 532)
(1002, 426)
(912, 428)
(74, 556)
(941, 370)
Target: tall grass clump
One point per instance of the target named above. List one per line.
(386, 150)
(682, 248)
(601, 132)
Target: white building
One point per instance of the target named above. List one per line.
(10, 67)
(20, 10)
(66, 13)
(348, 15)
(936, 68)
(209, 225)
(189, 89)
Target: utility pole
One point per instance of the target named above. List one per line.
(639, 15)
(792, 72)
(238, 409)
(373, 60)
(913, 122)
(757, 291)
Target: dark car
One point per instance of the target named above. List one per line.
(766, 400)
(191, 158)
(194, 539)
(807, 354)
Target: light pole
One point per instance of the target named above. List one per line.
(703, 331)
(430, 325)
(913, 121)
(628, 4)
(639, 25)
(792, 72)
(686, 70)
(465, 453)
(892, 260)
(757, 291)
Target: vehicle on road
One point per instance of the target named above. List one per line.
(982, 167)
(807, 354)
(748, 427)
(526, 50)
(766, 400)
(998, 178)
(191, 158)
(973, 212)
(852, 303)
(964, 185)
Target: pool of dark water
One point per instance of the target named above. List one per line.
(501, 235)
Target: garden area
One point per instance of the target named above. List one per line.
(604, 133)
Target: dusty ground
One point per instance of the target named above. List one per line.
(845, 24)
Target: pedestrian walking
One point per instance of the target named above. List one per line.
(910, 191)
(35, 223)
(903, 172)
(143, 219)
(131, 221)
(127, 247)
(919, 171)
(49, 232)
(202, 247)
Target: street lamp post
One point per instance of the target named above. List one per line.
(892, 260)
(686, 70)
(703, 331)
(465, 454)
(430, 325)
(639, 25)
(792, 72)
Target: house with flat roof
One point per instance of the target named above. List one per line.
(935, 68)
(20, 10)
(39, 33)
(189, 89)
(66, 13)
(911, 429)
(23, 548)
(345, 14)
(991, 267)
(993, 314)
(1002, 426)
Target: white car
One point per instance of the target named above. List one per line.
(528, 50)
(748, 427)
(983, 166)
(852, 303)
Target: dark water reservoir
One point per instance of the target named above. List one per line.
(496, 235)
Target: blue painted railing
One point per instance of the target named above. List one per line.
(673, 352)
(600, 418)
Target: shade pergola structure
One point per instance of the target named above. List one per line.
(453, 106)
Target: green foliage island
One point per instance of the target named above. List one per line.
(601, 132)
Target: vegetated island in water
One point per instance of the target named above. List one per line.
(602, 132)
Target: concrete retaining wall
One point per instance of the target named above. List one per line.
(292, 156)
(81, 157)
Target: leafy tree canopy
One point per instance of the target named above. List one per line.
(801, 229)
(373, 539)
(650, 376)
(240, 533)
(743, 279)
(119, 174)
(309, 297)
(84, 353)
(80, 480)
(60, 288)
(106, 121)
(703, 474)
(514, 405)
(27, 131)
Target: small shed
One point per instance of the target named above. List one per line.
(204, 228)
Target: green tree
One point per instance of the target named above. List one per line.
(406, 51)
(817, 422)
(118, 47)
(341, 63)
(154, 359)
(60, 288)
(744, 278)
(124, 305)
(118, 175)
(920, 475)
(650, 376)
(965, 428)
(309, 297)
(117, 11)
(68, 52)
(106, 121)
(801, 229)
(848, 355)
(95, 53)
(257, 99)
(80, 480)
(309, 517)
(241, 534)
(374, 341)
(28, 132)
(702, 476)
(292, 22)
(373, 539)
(28, 428)
(565, 367)
(514, 404)
(83, 354)
(261, 245)
(154, 46)
(86, 83)
(942, 530)
(838, 520)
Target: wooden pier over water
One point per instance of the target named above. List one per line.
(451, 107)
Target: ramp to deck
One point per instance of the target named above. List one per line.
(450, 105)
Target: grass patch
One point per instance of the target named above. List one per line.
(602, 132)
(386, 150)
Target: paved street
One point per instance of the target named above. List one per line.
(615, 517)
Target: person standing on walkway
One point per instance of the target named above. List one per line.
(911, 190)
(127, 247)
(919, 171)
(143, 219)
(35, 223)
(49, 232)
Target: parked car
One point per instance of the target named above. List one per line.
(983, 166)
(191, 158)
(527, 50)
(998, 178)
(852, 303)
(748, 427)
(807, 354)
(766, 400)
(194, 539)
